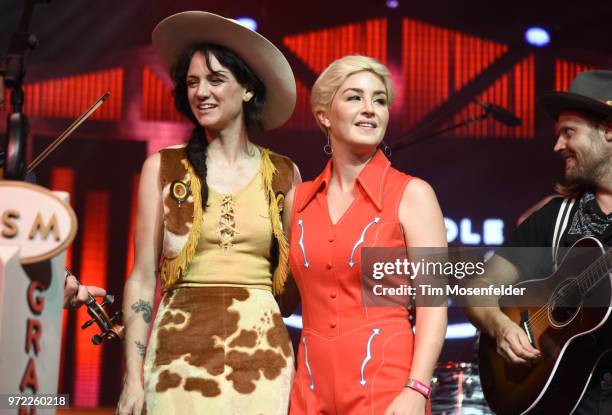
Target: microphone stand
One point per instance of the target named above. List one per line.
(14, 71)
(403, 144)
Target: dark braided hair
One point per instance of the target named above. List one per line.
(196, 146)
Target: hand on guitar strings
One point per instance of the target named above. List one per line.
(513, 344)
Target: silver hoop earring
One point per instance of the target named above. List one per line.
(386, 149)
(327, 148)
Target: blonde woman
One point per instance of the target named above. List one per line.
(353, 359)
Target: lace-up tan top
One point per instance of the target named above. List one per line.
(235, 240)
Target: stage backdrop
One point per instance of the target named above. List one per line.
(485, 174)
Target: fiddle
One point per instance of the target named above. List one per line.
(110, 326)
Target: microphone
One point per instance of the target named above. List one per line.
(500, 114)
(2, 71)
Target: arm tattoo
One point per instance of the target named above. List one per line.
(141, 348)
(145, 307)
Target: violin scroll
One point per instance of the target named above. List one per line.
(110, 325)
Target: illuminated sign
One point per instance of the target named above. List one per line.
(463, 232)
(34, 219)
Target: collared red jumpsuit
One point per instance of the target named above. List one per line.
(352, 359)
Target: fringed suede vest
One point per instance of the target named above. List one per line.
(181, 193)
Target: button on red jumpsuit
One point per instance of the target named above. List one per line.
(352, 359)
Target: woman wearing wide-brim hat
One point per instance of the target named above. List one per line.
(209, 222)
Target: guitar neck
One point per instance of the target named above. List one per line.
(595, 272)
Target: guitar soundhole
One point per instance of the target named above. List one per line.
(565, 303)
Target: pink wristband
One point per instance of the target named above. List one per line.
(419, 386)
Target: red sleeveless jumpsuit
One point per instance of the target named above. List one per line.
(352, 359)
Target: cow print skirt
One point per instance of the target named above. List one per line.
(218, 350)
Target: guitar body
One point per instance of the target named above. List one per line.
(571, 339)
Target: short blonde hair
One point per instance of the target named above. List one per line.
(327, 84)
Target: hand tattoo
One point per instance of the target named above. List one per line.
(145, 307)
(141, 348)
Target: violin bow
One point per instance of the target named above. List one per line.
(59, 140)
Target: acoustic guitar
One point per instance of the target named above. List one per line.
(572, 329)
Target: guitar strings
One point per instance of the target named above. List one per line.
(587, 273)
(543, 311)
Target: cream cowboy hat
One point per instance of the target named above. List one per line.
(179, 31)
